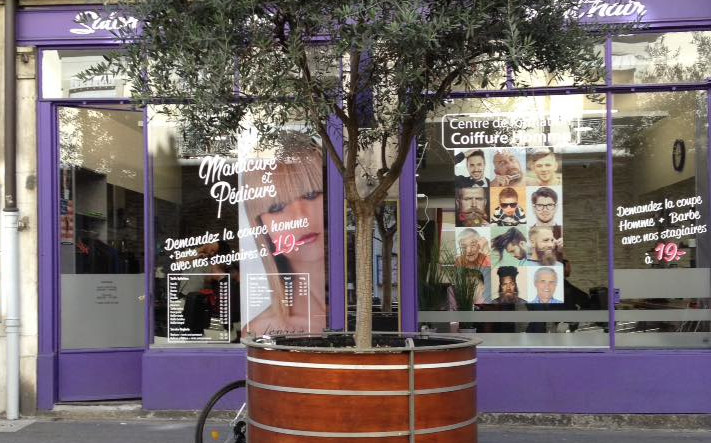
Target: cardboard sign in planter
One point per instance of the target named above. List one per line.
(317, 389)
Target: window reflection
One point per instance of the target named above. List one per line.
(661, 213)
(385, 272)
(101, 206)
(240, 235)
(509, 241)
(60, 69)
(661, 57)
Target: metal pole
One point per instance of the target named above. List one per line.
(10, 251)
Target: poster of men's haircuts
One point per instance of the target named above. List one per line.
(509, 202)
(254, 259)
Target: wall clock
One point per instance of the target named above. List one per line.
(678, 155)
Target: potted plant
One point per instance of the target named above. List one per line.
(400, 61)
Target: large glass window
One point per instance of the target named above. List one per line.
(661, 193)
(661, 57)
(542, 79)
(511, 217)
(386, 278)
(385, 272)
(240, 235)
(60, 69)
(101, 228)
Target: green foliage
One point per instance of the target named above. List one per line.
(438, 271)
(220, 61)
(464, 281)
(326, 62)
(432, 291)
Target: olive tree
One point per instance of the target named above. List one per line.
(370, 70)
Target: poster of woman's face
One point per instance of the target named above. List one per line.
(285, 281)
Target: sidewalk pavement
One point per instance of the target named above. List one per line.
(181, 431)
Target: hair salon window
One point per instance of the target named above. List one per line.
(661, 203)
(511, 235)
(101, 229)
(240, 235)
(661, 57)
(541, 78)
(386, 244)
(60, 69)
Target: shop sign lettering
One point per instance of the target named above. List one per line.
(90, 22)
(212, 169)
(666, 222)
(93, 83)
(461, 131)
(607, 9)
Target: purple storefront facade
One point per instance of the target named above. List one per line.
(581, 380)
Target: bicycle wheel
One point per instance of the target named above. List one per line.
(222, 420)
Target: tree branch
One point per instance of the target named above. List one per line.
(326, 138)
(351, 126)
(406, 136)
(313, 108)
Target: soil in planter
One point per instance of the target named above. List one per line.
(347, 341)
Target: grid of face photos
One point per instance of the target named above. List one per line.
(509, 223)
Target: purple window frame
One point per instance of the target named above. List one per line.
(48, 161)
(630, 367)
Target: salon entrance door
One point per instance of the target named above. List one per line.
(101, 252)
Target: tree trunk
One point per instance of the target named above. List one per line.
(364, 275)
(387, 271)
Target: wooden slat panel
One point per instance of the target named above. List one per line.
(329, 379)
(262, 436)
(439, 378)
(328, 413)
(330, 358)
(437, 410)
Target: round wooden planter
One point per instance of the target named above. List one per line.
(422, 390)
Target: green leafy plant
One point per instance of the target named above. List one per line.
(432, 288)
(374, 68)
(464, 281)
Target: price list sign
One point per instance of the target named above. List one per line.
(296, 285)
(199, 315)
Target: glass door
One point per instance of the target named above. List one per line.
(101, 252)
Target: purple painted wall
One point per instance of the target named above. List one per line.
(46, 168)
(185, 379)
(653, 12)
(92, 376)
(57, 25)
(559, 382)
(606, 382)
(336, 235)
(408, 242)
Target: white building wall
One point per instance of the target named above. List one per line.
(28, 240)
